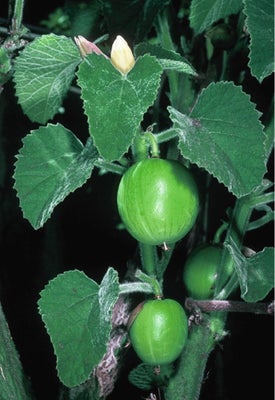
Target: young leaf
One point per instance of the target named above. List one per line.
(256, 273)
(78, 321)
(223, 134)
(260, 14)
(115, 103)
(43, 73)
(204, 13)
(145, 378)
(51, 164)
(169, 60)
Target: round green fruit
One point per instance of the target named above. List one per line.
(158, 332)
(200, 271)
(158, 201)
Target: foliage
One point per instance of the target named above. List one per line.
(186, 99)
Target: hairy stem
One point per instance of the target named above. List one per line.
(186, 385)
(229, 306)
(13, 382)
(110, 167)
(16, 8)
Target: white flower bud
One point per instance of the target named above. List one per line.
(121, 55)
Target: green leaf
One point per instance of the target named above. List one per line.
(78, 321)
(115, 103)
(150, 9)
(267, 217)
(51, 164)
(43, 74)
(223, 134)
(144, 376)
(131, 18)
(260, 275)
(65, 307)
(260, 25)
(204, 13)
(168, 59)
(269, 132)
(256, 273)
(108, 294)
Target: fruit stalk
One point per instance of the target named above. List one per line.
(148, 258)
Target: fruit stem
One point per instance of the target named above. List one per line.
(140, 147)
(148, 258)
(153, 144)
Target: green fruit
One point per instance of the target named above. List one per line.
(158, 201)
(200, 271)
(159, 331)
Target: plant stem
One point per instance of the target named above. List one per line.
(16, 8)
(163, 32)
(110, 167)
(166, 135)
(229, 306)
(13, 383)
(152, 281)
(153, 144)
(140, 147)
(134, 287)
(148, 258)
(236, 230)
(186, 384)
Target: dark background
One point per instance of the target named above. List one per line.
(83, 234)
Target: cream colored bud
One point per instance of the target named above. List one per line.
(121, 55)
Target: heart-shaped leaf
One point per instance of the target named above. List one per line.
(115, 103)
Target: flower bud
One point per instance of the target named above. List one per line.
(121, 55)
(87, 47)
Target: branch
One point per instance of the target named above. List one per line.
(229, 306)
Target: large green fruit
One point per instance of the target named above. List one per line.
(158, 333)
(200, 271)
(158, 201)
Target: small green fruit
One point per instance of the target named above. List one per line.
(200, 271)
(158, 201)
(158, 332)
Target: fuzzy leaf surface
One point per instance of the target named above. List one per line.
(43, 74)
(114, 103)
(223, 135)
(51, 164)
(78, 321)
(168, 59)
(258, 272)
(204, 13)
(260, 14)
(255, 273)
